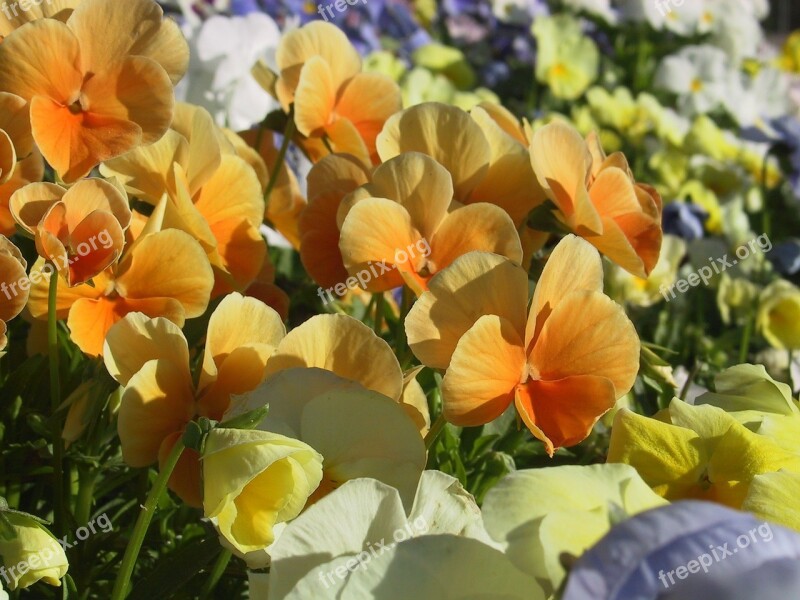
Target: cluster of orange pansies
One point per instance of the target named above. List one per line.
(153, 216)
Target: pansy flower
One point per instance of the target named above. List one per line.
(563, 365)
(99, 84)
(598, 198)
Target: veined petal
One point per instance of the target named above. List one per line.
(562, 413)
(15, 122)
(487, 364)
(31, 203)
(91, 195)
(483, 227)
(315, 98)
(157, 402)
(562, 162)
(571, 255)
(476, 284)
(588, 334)
(344, 346)
(445, 133)
(138, 339)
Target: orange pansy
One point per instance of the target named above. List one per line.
(563, 365)
(150, 358)
(206, 190)
(14, 285)
(162, 274)
(320, 73)
(598, 198)
(80, 230)
(98, 84)
(406, 222)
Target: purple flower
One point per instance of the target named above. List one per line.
(786, 257)
(689, 551)
(684, 219)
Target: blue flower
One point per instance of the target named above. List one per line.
(689, 551)
(786, 257)
(684, 219)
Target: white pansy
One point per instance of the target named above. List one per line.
(358, 530)
(599, 8)
(765, 96)
(698, 75)
(223, 51)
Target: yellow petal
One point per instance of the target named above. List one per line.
(315, 97)
(15, 122)
(30, 203)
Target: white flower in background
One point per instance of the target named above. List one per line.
(734, 30)
(684, 20)
(698, 75)
(223, 50)
(519, 12)
(764, 96)
(599, 8)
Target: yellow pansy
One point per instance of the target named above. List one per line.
(778, 316)
(254, 480)
(567, 60)
(698, 452)
(30, 553)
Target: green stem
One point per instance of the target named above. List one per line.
(435, 430)
(216, 574)
(87, 477)
(379, 308)
(143, 522)
(288, 133)
(748, 331)
(55, 402)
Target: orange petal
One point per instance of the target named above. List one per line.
(476, 284)
(66, 297)
(378, 234)
(41, 59)
(486, 365)
(98, 241)
(15, 122)
(31, 203)
(481, 226)
(90, 195)
(633, 241)
(138, 339)
(445, 133)
(346, 347)
(186, 480)
(169, 264)
(109, 31)
(302, 44)
(571, 255)
(561, 161)
(157, 402)
(588, 334)
(420, 184)
(319, 244)
(562, 413)
(75, 143)
(28, 170)
(12, 272)
(345, 138)
(315, 98)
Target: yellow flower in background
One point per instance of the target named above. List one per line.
(99, 84)
(698, 452)
(447, 61)
(543, 513)
(597, 196)
(254, 480)
(563, 365)
(405, 220)
(646, 292)
(207, 190)
(789, 59)
(81, 231)
(484, 152)
(320, 73)
(150, 358)
(14, 285)
(778, 316)
(735, 298)
(30, 553)
(567, 60)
